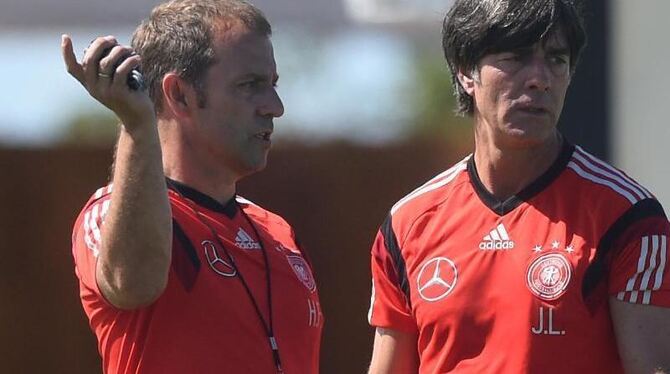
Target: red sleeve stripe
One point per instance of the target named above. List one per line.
(650, 266)
(435, 183)
(600, 167)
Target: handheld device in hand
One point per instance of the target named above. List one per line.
(135, 78)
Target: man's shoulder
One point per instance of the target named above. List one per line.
(599, 181)
(98, 203)
(88, 223)
(430, 194)
(101, 193)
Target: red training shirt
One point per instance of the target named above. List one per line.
(520, 285)
(205, 322)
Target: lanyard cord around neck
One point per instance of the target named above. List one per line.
(267, 326)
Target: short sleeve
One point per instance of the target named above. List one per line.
(86, 243)
(639, 270)
(389, 306)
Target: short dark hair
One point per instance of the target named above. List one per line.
(178, 35)
(475, 28)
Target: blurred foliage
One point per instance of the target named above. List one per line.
(435, 102)
(94, 128)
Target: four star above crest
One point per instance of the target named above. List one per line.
(555, 245)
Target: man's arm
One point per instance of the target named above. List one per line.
(136, 238)
(643, 336)
(394, 352)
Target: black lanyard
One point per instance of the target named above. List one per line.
(268, 326)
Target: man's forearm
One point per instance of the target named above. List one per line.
(136, 239)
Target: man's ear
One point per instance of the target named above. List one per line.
(467, 81)
(178, 95)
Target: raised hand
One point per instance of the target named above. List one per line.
(105, 75)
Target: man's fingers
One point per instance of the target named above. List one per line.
(71, 64)
(91, 60)
(109, 63)
(122, 71)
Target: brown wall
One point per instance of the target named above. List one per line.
(334, 195)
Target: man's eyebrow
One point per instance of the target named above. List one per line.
(255, 76)
(558, 50)
(519, 50)
(552, 49)
(252, 76)
(260, 77)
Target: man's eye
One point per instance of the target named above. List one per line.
(249, 84)
(559, 60)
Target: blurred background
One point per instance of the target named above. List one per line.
(369, 116)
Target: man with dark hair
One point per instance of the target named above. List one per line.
(530, 255)
(181, 275)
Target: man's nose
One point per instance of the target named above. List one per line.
(272, 105)
(539, 74)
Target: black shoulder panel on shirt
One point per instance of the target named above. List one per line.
(596, 272)
(185, 260)
(391, 244)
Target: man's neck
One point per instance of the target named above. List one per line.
(219, 190)
(180, 163)
(505, 171)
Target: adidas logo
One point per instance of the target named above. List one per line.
(244, 241)
(497, 239)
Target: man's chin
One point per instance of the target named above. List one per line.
(525, 138)
(257, 165)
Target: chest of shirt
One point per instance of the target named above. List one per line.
(222, 268)
(527, 265)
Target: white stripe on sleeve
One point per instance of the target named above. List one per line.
(661, 266)
(644, 284)
(372, 302)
